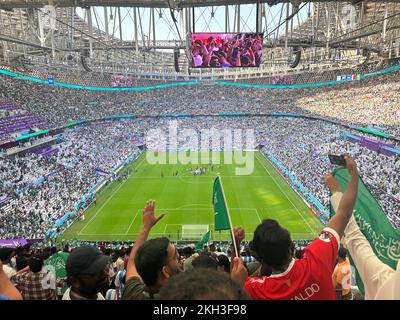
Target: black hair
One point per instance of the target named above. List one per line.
(21, 262)
(187, 251)
(205, 262)
(121, 253)
(35, 263)
(205, 285)
(46, 253)
(298, 254)
(253, 252)
(342, 253)
(272, 243)
(6, 254)
(19, 250)
(223, 261)
(151, 257)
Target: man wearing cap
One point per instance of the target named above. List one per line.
(87, 273)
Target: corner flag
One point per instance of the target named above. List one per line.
(373, 223)
(221, 211)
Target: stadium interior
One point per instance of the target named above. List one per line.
(104, 105)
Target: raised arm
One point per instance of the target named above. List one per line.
(346, 205)
(206, 54)
(148, 221)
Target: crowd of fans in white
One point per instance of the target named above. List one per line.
(68, 175)
(371, 101)
(301, 145)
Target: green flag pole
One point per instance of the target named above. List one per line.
(229, 216)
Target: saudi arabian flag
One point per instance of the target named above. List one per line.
(373, 223)
(203, 241)
(221, 214)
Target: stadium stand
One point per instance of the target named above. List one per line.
(45, 181)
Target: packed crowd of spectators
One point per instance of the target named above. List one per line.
(301, 145)
(370, 101)
(66, 176)
(51, 264)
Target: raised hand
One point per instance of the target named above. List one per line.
(149, 218)
(350, 164)
(239, 234)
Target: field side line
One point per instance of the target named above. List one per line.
(97, 212)
(312, 230)
(165, 228)
(134, 218)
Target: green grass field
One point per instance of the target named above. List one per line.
(186, 199)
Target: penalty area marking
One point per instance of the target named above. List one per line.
(134, 218)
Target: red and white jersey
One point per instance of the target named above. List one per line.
(309, 278)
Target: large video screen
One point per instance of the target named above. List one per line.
(226, 50)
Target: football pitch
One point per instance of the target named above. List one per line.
(187, 200)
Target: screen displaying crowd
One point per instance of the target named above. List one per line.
(226, 50)
(121, 81)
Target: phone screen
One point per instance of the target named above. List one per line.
(337, 160)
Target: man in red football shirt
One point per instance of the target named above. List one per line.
(309, 278)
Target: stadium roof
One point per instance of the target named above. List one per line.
(10, 4)
(142, 35)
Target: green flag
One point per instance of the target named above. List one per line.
(58, 261)
(203, 241)
(373, 223)
(56, 264)
(221, 214)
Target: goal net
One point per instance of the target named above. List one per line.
(194, 231)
